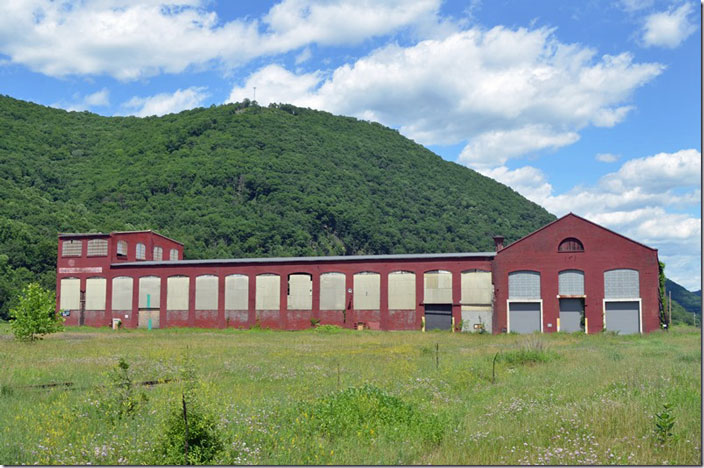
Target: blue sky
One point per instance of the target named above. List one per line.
(591, 106)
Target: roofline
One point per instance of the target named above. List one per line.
(147, 230)
(339, 258)
(82, 234)
(583, 219)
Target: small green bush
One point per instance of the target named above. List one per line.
(34, 315)
(328, 329)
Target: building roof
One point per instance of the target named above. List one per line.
(68, 235)
(570, 214)
(339, 258)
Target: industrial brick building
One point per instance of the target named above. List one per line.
(570, 275)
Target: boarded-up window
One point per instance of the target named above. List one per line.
(236, 292)
(366, 291)
(402, 290)
(524, 285)
(149, 292)
(70, 294)
(158, 254)
(173, 255)
(332, 291)
(437, 287)
(177, 293)
(477, 288)
(570, 245)
(71, 248)
(141, 252)
(268, 292)
(97, 248)
(122, 293)
(300, 292)
(621, 284)
(122, 248)
(95, 293)
(571, 283)
(207, 292)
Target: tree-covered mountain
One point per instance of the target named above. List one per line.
(237, 180)
(684, 303)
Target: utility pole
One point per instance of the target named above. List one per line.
(669, 315)
(254, 97)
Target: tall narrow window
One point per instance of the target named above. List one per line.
(97, 248)
(158, 254)
(173, 255)
(121, 248)
(141, 252)
(71, 248)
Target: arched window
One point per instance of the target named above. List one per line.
(121, 248)
(524, 285)
(141, 252)
(300, 291)
(402, 290)
(158, 254)
(570, 245)
(173, 255)
(437, 286)
(332, 291)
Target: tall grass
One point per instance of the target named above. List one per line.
(319, 397)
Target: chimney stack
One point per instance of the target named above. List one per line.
(499, 242)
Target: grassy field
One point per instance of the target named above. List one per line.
(349, 397)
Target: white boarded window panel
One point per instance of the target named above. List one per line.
(300, 292)
(95, 293)
(149, 292)
(571, 283)
(402, 290)
(71, 248)
(141, 252)
(524, 285)
(177, 293)
(158, 254)
(122, 293)
(621, 284)
(366, 291)
(437, 287)
(332, 291)
(173, 255)
(70, 294)
(236, 292)
(97, 248)
(268, 292)
(476, 287)
(207, 292)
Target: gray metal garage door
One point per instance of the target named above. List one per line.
(524, 317)
(571, 315)
(438, 316)
(622, 317)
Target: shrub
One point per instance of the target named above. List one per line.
(34, 315)
(120, 399)
(329, 329)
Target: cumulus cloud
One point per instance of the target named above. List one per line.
(639, 200)
(99, 98)
(504, 92)
(669, 28)
(607, 157)
(166, 103)
(80, 103)
(130, 40)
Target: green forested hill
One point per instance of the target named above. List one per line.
(237, 181)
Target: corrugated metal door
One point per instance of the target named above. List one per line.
(571, 311)
(438, 316)
(524, 317)
(623, 317)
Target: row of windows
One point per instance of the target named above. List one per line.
(476, 289)
(618, 284)
(99, 248)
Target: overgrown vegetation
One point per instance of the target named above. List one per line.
(34, 315)
(353, 398)
(236, 181)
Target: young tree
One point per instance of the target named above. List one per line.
(34, 314)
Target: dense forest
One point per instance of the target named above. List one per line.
(237, 180)
(684, 303)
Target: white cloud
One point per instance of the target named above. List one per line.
(276, 84)
(638, 200)
(130, 39)
(165, 103)
(77, 103)
(99, 98)
(522, 87)
(607, 157)
(669, 28)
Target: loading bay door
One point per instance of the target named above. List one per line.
(438, 316)
(623, 317)
(571, 312)
(524, 317)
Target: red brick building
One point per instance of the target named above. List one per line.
(570, 275)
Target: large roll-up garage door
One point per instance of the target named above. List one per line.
(623, 317)
(438, 316)
(524, 317)
(571, 311)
